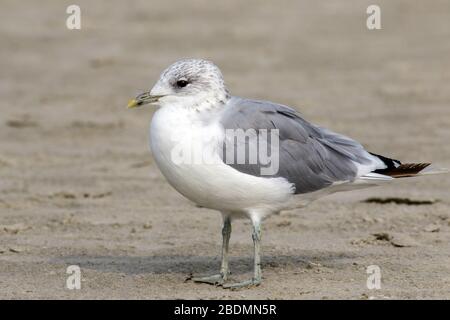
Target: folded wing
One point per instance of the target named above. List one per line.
(309, 156)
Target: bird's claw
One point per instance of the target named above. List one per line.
(244, 284)
(216, 279)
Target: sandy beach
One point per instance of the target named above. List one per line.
(78, 184)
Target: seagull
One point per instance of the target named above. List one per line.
(248, 158)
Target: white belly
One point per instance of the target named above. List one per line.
(213, 184)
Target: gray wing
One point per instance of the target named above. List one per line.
(310, 157)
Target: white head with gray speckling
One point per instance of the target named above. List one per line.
(193, 83)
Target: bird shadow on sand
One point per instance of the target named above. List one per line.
(200, 265)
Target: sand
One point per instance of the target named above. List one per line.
(78, 185)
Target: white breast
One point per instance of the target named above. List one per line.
(213, 184)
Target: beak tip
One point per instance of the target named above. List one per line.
(131, 104)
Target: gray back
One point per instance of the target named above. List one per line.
(310, 157)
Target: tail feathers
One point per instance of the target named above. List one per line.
(376, 177)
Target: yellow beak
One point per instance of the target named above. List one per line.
(143, 98)
(132, 104)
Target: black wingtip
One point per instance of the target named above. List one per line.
(407, 170)
(396, 169)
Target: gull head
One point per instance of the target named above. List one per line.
(191, 83)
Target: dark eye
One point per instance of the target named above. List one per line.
(182, 83)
